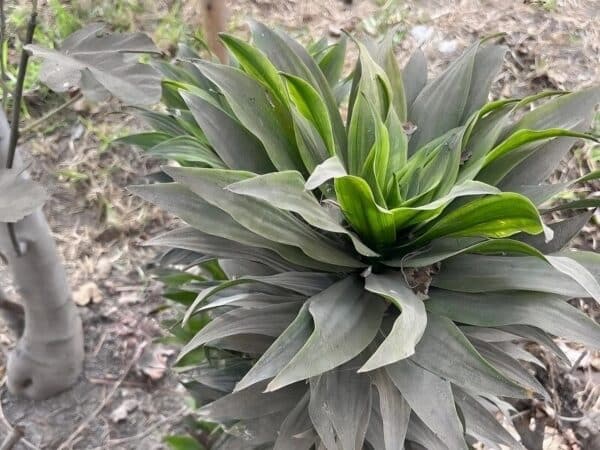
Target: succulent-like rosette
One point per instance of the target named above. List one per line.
(382, 266)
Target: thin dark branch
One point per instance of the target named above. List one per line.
(18, 94)
(16, 116)
(2, 67)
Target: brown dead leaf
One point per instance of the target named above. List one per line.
(87, 293)
(154, 361)
(121, 412)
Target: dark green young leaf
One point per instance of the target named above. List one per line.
(496, 216)
(331, 62)
(373, 224)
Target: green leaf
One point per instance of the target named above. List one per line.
(445, 351)
(550, 312)
(259, 217)
(312, 107)
(332, 60)
(290, 57)
(414, 76)
(187, 149)
(481, 424)
(259, 111)
(430, 397)
(292, 434)
(525, 136)
(195, 240)
(256, 64)
(442, 249)
(561, 112)
(144, 140)
(330, 169)
(371, 104)
(373, 223)
(557, 275)
(487, 65)
(346, 320)
(442, 103)
(408, 327)
(395, 411)
(496, 216)
(235, 145)
(386, 59)
(267, 321)
(575, 204)
(282, 351)
(405, 216)
(339, 408)
(285, 190)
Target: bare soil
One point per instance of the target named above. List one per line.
(126, 398)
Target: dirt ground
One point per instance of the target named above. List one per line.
(126, 398)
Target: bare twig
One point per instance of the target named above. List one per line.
(50, 113)
(84, 424)
(18, 94)
(16, 116)
(10, 427)
(13, 438)
(2, 67)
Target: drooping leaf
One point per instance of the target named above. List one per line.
(330, 169)
(100, 63)
(550, 312)
(187, 149)
(409, 326)
(430, 397)
(346, 320)
(445, 351)
(480, 423)
(557, 275)
(340, 406)
(395, 411)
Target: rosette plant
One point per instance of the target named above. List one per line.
(382, 267)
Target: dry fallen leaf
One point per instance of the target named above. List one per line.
(121, 412)
(87, 293)
(154, 361)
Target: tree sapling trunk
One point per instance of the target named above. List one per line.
(48, 357)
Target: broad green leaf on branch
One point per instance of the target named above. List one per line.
(101, 65)
(20, 196)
